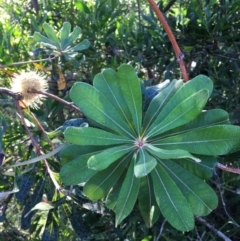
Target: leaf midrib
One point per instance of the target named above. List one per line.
(185, 185)
(171, 200)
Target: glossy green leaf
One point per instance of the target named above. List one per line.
(188, 90)
(203, 169)
(205, 119)
(93, 136)
(50, 32)
(76, 171)
(108, 83)
(159, 101)
(171, 201)
(85, 44)
(131, 90)
(213, 140)
(100, 184)
(144, 164)
(64, 34)
(146, 201)
(128, 195)
(199, 195)
(184, 112)
(96, 107)
(170, 154)
(103, 159)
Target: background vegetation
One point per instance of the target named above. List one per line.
(119, 32)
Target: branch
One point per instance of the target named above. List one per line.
(228, 169)
(26, 62)
(169, 5)
(172, 39)
(16, 96)
(26, 127)
(69, 104)
(219, 187)
(211, 227)
(161, 230)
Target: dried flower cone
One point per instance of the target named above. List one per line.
(26, 81)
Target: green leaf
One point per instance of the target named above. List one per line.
(171, 201)
(64, 34)
(184, 112)
(85, 44)
(81, 6)
(199, 195)
(112, 197)
(73, 36)
(71, 152)
(147, 203)
(131, 90)
(213, 140)
(189, 89)
(108, 83)
(37, 37)
(51, 229)
(42, 206)
(159, 101)
(205, 119)
(203, 169)
(76, 171)
(96, 107)
(40, 158)
(170, 154)
(103, 159)
(128, 195)
(100, 184)
(145, 163)
(93, 136)
(48, 29)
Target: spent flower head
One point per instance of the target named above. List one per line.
(26, 81)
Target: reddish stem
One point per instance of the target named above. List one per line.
(180, 57)
(228, 169)
(171, 37)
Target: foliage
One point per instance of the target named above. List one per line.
(62, 45)
(145, 149)
(120, 32)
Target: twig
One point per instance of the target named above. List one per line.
(26, 127)
(16, 96)
(218, 185)
(161, 230)
(171, 37)
(26, 62)
(228, 169)
(139, 16)
(169, 5)
(38, 150)
(212, 228)
(38, 124)
(69, 104)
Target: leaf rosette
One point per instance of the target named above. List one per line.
(158, 159)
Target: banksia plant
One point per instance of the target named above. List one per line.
(26, 81)
(158, 159)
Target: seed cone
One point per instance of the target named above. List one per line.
(26, 81)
